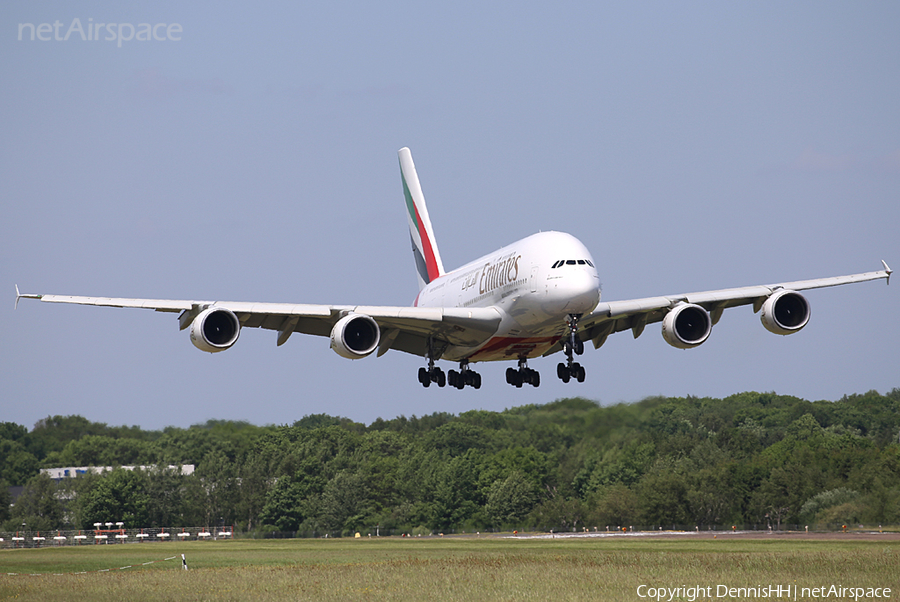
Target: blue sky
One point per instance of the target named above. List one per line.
(690, 146)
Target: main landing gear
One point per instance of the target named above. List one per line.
(465, 376)
(524, 375)
(433, 374)
(571, 369)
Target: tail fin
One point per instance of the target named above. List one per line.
(428, 259)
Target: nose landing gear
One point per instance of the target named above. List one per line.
(572, 346)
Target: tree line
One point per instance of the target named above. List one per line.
(749, 459)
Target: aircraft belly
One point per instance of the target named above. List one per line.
(503, 348)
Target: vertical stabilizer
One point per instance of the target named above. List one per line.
(428, 259)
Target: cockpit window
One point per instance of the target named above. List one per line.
(563, 262)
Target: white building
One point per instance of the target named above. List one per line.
(58, 474)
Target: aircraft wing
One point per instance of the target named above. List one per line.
(617, 316)
(403, 328)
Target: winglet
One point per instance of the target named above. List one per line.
(24, 296)
(887, 270)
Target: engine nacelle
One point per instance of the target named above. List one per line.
(355, 336)
(215, 329)
(686, 326)
(785, 312)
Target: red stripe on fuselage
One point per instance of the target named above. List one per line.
(505, 348)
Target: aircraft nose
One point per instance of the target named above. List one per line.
(577, 293)
(584, 292)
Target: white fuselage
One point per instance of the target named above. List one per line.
(534, 283)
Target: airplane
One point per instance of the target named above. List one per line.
(533, 298)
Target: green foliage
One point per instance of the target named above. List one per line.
(120, 495)
(17, 465)
(559, 514)
(613, 506)
(826, 500)
(343, 505)
(751, 458)
(97, 450)
(4, 501)
(314, 421)
(510, 500)
(39, 506)
(168, 503)
(216, 493)
(12, 431)
(284, 508)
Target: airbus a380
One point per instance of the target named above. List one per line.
(535, 297)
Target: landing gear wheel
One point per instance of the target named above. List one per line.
(524, 375)
(465, 376)
(577, 371)
(576, 348)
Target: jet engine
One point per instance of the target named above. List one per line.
(215, 329)
(785, 312)
(355, 336)
(686, 326)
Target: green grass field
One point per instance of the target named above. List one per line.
(444, 569)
